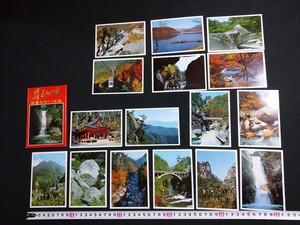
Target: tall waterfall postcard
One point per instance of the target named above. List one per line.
(48, 179)
(230, 33)
(173, 179)
(96, 129)
(182, 34)
(262, 179)
(152, 126)
(120, 39)
(88, 179)
(217, 179)
(46, 123)
(179, 73)
(118, 76)
(259, 118)
(210, 118)
(129, 177)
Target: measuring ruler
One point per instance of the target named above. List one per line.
(150, 215)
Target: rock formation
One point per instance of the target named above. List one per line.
(248, 182)
(237, 38)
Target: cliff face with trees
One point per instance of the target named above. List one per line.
(213, 192)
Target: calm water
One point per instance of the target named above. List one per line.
(165, 44)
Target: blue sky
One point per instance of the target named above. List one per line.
(164, 115)
(187, 22)
(220, 160)
(58, 157)
(171, 155)
(135, 154)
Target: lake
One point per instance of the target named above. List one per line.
(179, 42)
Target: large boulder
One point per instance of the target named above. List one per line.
(91, 194)
(89, 172)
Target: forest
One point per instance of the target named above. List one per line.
(48, 130)
(169, 190)
(233, 70)
(48, 184)
(118, 76)
(129, 181)
(251, 23)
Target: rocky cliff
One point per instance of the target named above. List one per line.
(248, 182)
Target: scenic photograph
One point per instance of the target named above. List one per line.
(46, 124)
(179, 73)
(173, 178)
(262, 179)
(87, 179)
(217, 179)
(210, 119)
(95, 129)
(48, 179)
(177, 35)
(152, 126)
(129, 179)
(115, 76)
(237, 70)
(259, 118)
(243, 32)
(120, 39)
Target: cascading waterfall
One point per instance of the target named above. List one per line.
(262, 195)
(43, 123)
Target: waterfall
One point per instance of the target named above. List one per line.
(43, 123)
(262, 195)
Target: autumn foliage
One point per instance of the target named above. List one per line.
(131, 76)
(118, 177)
(248, 67)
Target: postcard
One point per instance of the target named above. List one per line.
(129, 177)
(120, 39)
(118, 76)
(88, 180)
(237, 70)
(182, 34)
(217, 179)
(262, 179)
(210, 118)
(152, 126)
(259, 118)
(96, 129)
(231, 33)
(48, 179)
(173, 178)
(179, 73)
(46, 123)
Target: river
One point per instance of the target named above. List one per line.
(181, 42)
(134, 196)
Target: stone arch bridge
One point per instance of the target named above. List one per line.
(178, 174)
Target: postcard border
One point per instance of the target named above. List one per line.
(239, 123)
(66, 179)
(236, 177)
(178, 18)
(192, 178)
(148, 180)
(112, 24)
(184, 55)
(245, 15)
(229, 120)
(283, 179)
(156, 108)
(70, 178)
(96, 146)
